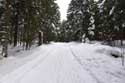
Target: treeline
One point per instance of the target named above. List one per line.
(91, 20)
(25, 22)
(22, 22)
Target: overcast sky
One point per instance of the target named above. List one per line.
(63, 4)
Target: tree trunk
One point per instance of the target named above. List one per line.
(15, 23)
(4, 49)
(40, 40)
(15, 35)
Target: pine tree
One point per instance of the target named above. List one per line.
(79, 18)
(25, 21)
(5, 27)
(104, 21)
(119, 15)
(63, 31)
(50, 18)
(111, 22)
(15, 21)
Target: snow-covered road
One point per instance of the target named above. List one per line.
(68, 63)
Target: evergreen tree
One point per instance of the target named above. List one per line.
(25, 21)
(5, 26)
(104, 22)
(79, 18)
(15, 21)
(63, 37)
(119, 15)
(50, 19)
(111, 20)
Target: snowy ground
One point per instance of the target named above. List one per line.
(63, 63)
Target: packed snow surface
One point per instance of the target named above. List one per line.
(63, 63)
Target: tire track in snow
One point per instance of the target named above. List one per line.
(32, 64)
(88, 70)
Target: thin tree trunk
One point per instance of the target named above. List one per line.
(16, 28)
(40, 38)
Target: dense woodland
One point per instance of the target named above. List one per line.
(25, 22)
(103, 20)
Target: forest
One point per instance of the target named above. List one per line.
(26, 22)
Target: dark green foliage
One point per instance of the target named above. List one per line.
(79, 19)
(112, 18)
(102, 20)
(22, 20)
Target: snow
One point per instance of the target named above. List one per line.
(64, 63)
(107, 50)
(112, 10)
(102, 3)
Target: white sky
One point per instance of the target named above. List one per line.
(63, 4)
